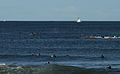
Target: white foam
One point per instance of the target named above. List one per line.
(3, 64)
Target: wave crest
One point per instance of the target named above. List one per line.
(51, 69)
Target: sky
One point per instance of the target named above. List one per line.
(60, 10)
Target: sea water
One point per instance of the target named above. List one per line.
(22, 41)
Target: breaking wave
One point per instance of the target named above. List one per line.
(52, 69)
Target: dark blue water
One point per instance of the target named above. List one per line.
(19, 39)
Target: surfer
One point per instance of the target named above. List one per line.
(53, 56)
(32, 53)
(48, 62)
(109, 67)
(67, 55)
(102, 56)
(39, 54)
(102, 36)
(33, 33)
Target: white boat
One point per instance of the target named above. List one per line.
(78, 20)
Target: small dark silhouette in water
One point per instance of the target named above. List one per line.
(67, 55)
(32, 53)
(102, 36)
(109, 67)
(102, 56)
(48, 62)
(53, 56)
(39, 54)
(33, 33)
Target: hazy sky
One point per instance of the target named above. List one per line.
(58, 10)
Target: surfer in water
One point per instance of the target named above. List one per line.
(48, 62)
(67, 55)
(33, 33)
(109, 67)
(32, 53)
(39, 54)
(53, 56)
(102, 56)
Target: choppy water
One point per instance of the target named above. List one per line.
(18, 40)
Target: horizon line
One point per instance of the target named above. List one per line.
(56, 21)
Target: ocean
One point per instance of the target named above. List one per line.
(59, 47)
